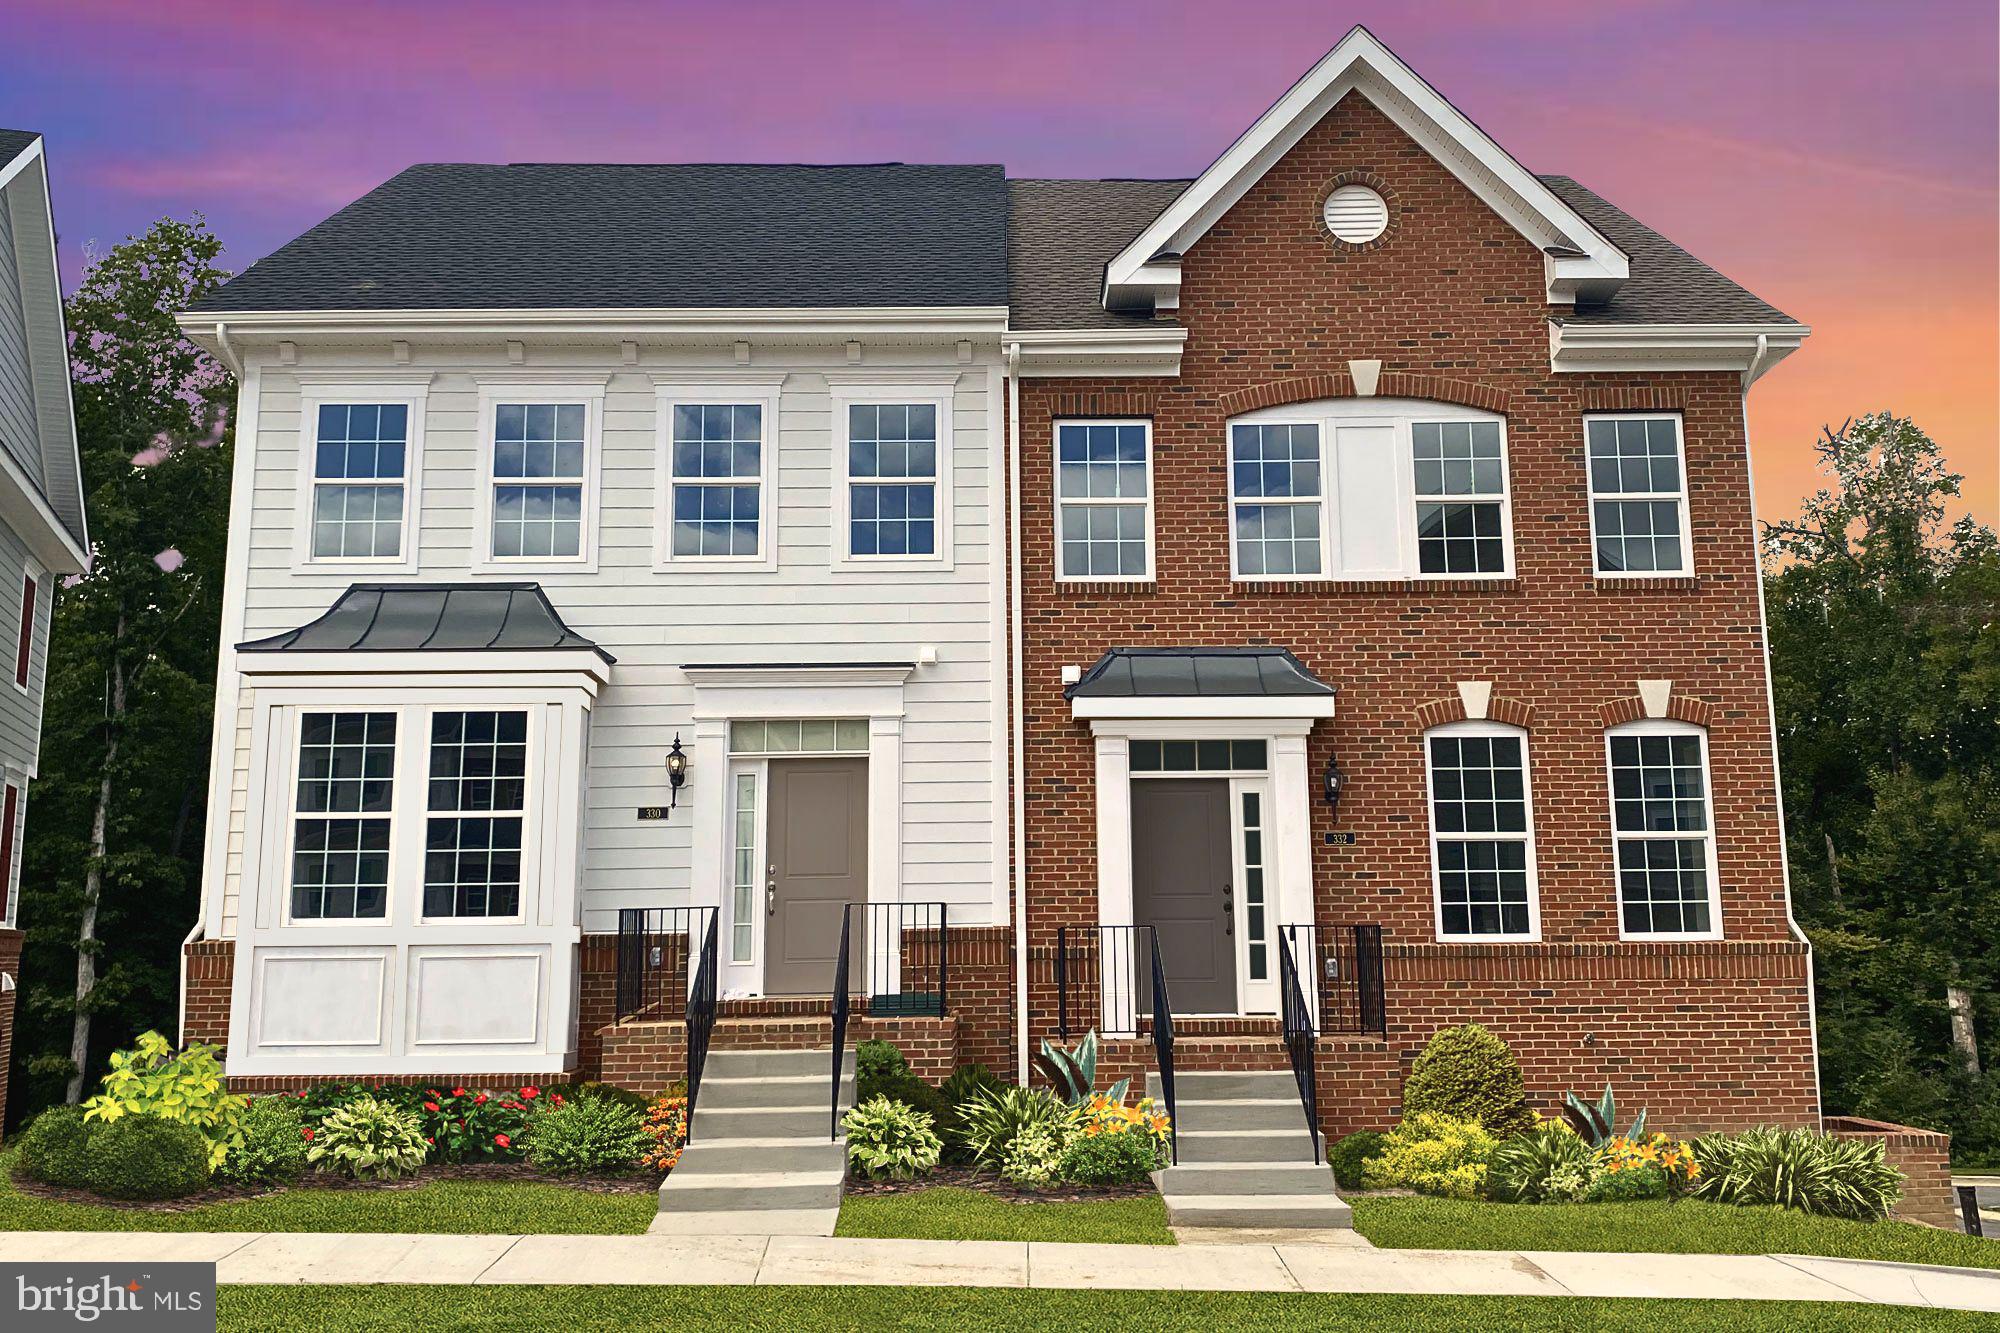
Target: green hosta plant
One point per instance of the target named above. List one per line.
(1598, 1124)
(1797, 1168)
(151, 1079)
(990, 1122)
(886, 1138)
(369, 1139)
(1074, 1070)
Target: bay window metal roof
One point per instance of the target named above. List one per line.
(1142, 673)
(432, 617)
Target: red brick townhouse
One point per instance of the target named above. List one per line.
(1387, 561)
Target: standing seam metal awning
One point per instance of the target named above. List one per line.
(436, 617)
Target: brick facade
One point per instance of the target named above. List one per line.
(211, 967)
(1924, 1158)
(1453, 303)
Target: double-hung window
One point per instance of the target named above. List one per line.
(1663, 834)
(1638, 495)
(1276, 499)
(1461, 494)
(893, 480)
(539, 472)
(1104, 500)
(342, 812)
(1482, 832)
(360, 462)
(477, 802)
(717, 462)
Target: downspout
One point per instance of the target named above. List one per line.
(195, 932)
(1016, 715)
(1771, 716)
(228, 353)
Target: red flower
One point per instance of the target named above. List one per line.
(460, 1092)
(431, 1107)
(556, 1098)
(302, 1096)
(529, 1094)
(430, 1139)
(461, 1124)
(308, 1133)
(503, 1140)
(480, 1100)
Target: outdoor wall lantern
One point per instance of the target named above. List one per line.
(1333, 782)
(677, 771)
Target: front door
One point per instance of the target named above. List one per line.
(819, 863)
(1183, 871)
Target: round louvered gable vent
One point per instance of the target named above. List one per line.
(1356, 214)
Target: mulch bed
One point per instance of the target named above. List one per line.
(643, 1182)
(985, 1182)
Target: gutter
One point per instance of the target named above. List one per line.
(227, 352)
(1016, 711)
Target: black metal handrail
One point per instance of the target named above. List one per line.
(700, 1012)
(655, 958)
(1301, 1033)
(1340, 967)
(1117, 974)
(840, 1004)
(905, 958)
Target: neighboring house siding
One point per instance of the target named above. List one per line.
(19, 433)
(654, 621)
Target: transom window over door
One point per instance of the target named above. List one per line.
(360, 470)
(1638, 495)
(1482, 839)
(539, 482)
(478, 796)
(718, 471)
(343, 810)
(1665, 839)
(1369, 489)
(892, 487)
(1104, 505)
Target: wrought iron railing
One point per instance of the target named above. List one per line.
(1111, 979)
(839, 1015)
(1340, 975)
(905, 970)
(1301, 1033)
(656, 962)
(701, 1006)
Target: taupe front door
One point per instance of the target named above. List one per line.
(819, 863)
(1183, 871)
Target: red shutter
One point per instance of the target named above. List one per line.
(27, 631)
(7, 822)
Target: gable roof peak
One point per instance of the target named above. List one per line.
(1580, 262)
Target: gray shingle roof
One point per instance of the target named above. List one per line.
(1667, 284)
(1060, 236)
(1135, 673)
(562, 236)
(434, 617)
(13, 142)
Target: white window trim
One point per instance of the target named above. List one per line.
(844, 394)
(493, 391)
(533, 779)
(401, 775)
(312, 397)
(1664, 727)
(17, 782)
(1475, 728)
(1059, 501)
(762, 390)
(1399, 414)
(32, 571)
(1592, 495)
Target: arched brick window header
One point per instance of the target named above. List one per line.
(1680, 707)
(1339, 384)
(1512, 712)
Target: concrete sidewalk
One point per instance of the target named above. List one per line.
(313, 1257)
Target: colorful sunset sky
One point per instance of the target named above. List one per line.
(1839, 158)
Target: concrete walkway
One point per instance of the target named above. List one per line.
(311, 1257)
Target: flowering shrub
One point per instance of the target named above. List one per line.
(1433, 1154)
(151, 1079)
(462, 1124)
(1656, 1155)
(666, 1130)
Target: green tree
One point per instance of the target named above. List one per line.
(1884, 619)
(111, 871)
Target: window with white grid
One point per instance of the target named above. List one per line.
(1461, 492)
(539, 485)
(342, 812)
(1104, 500)
(477, 800)
(718, 480)
(360, 469)
(1482, 831)
(1276, 500)
(1638, 495)
(892, 480)
(1663, 836)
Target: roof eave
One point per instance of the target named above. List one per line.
(211, 327)
(1750, 350)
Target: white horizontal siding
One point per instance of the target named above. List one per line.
(654, 621)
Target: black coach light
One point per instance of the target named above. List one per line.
(677, 771)
(1334, 780)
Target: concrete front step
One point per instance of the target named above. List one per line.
(759, 1156)
(767, 1064)
(772, 1190)
(746, 1090)
(1218, 1085)
(1192, 1178)
(1245, 1145)
(1232, 1113)
(763, 1122)
(1274, 1211)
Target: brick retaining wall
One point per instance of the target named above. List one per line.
(1924, 1158)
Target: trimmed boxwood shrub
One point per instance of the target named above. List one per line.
(55, 1148)
(881, 1071)
(146, 1157)
(1346, 1157)
(1469, 1074)
(274, 1144)
(587, 1134)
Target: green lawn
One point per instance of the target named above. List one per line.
(946, 1213)
(444, 1205)
(790, 1308)
(1688, 1227)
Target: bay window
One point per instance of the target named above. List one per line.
(340, 829)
